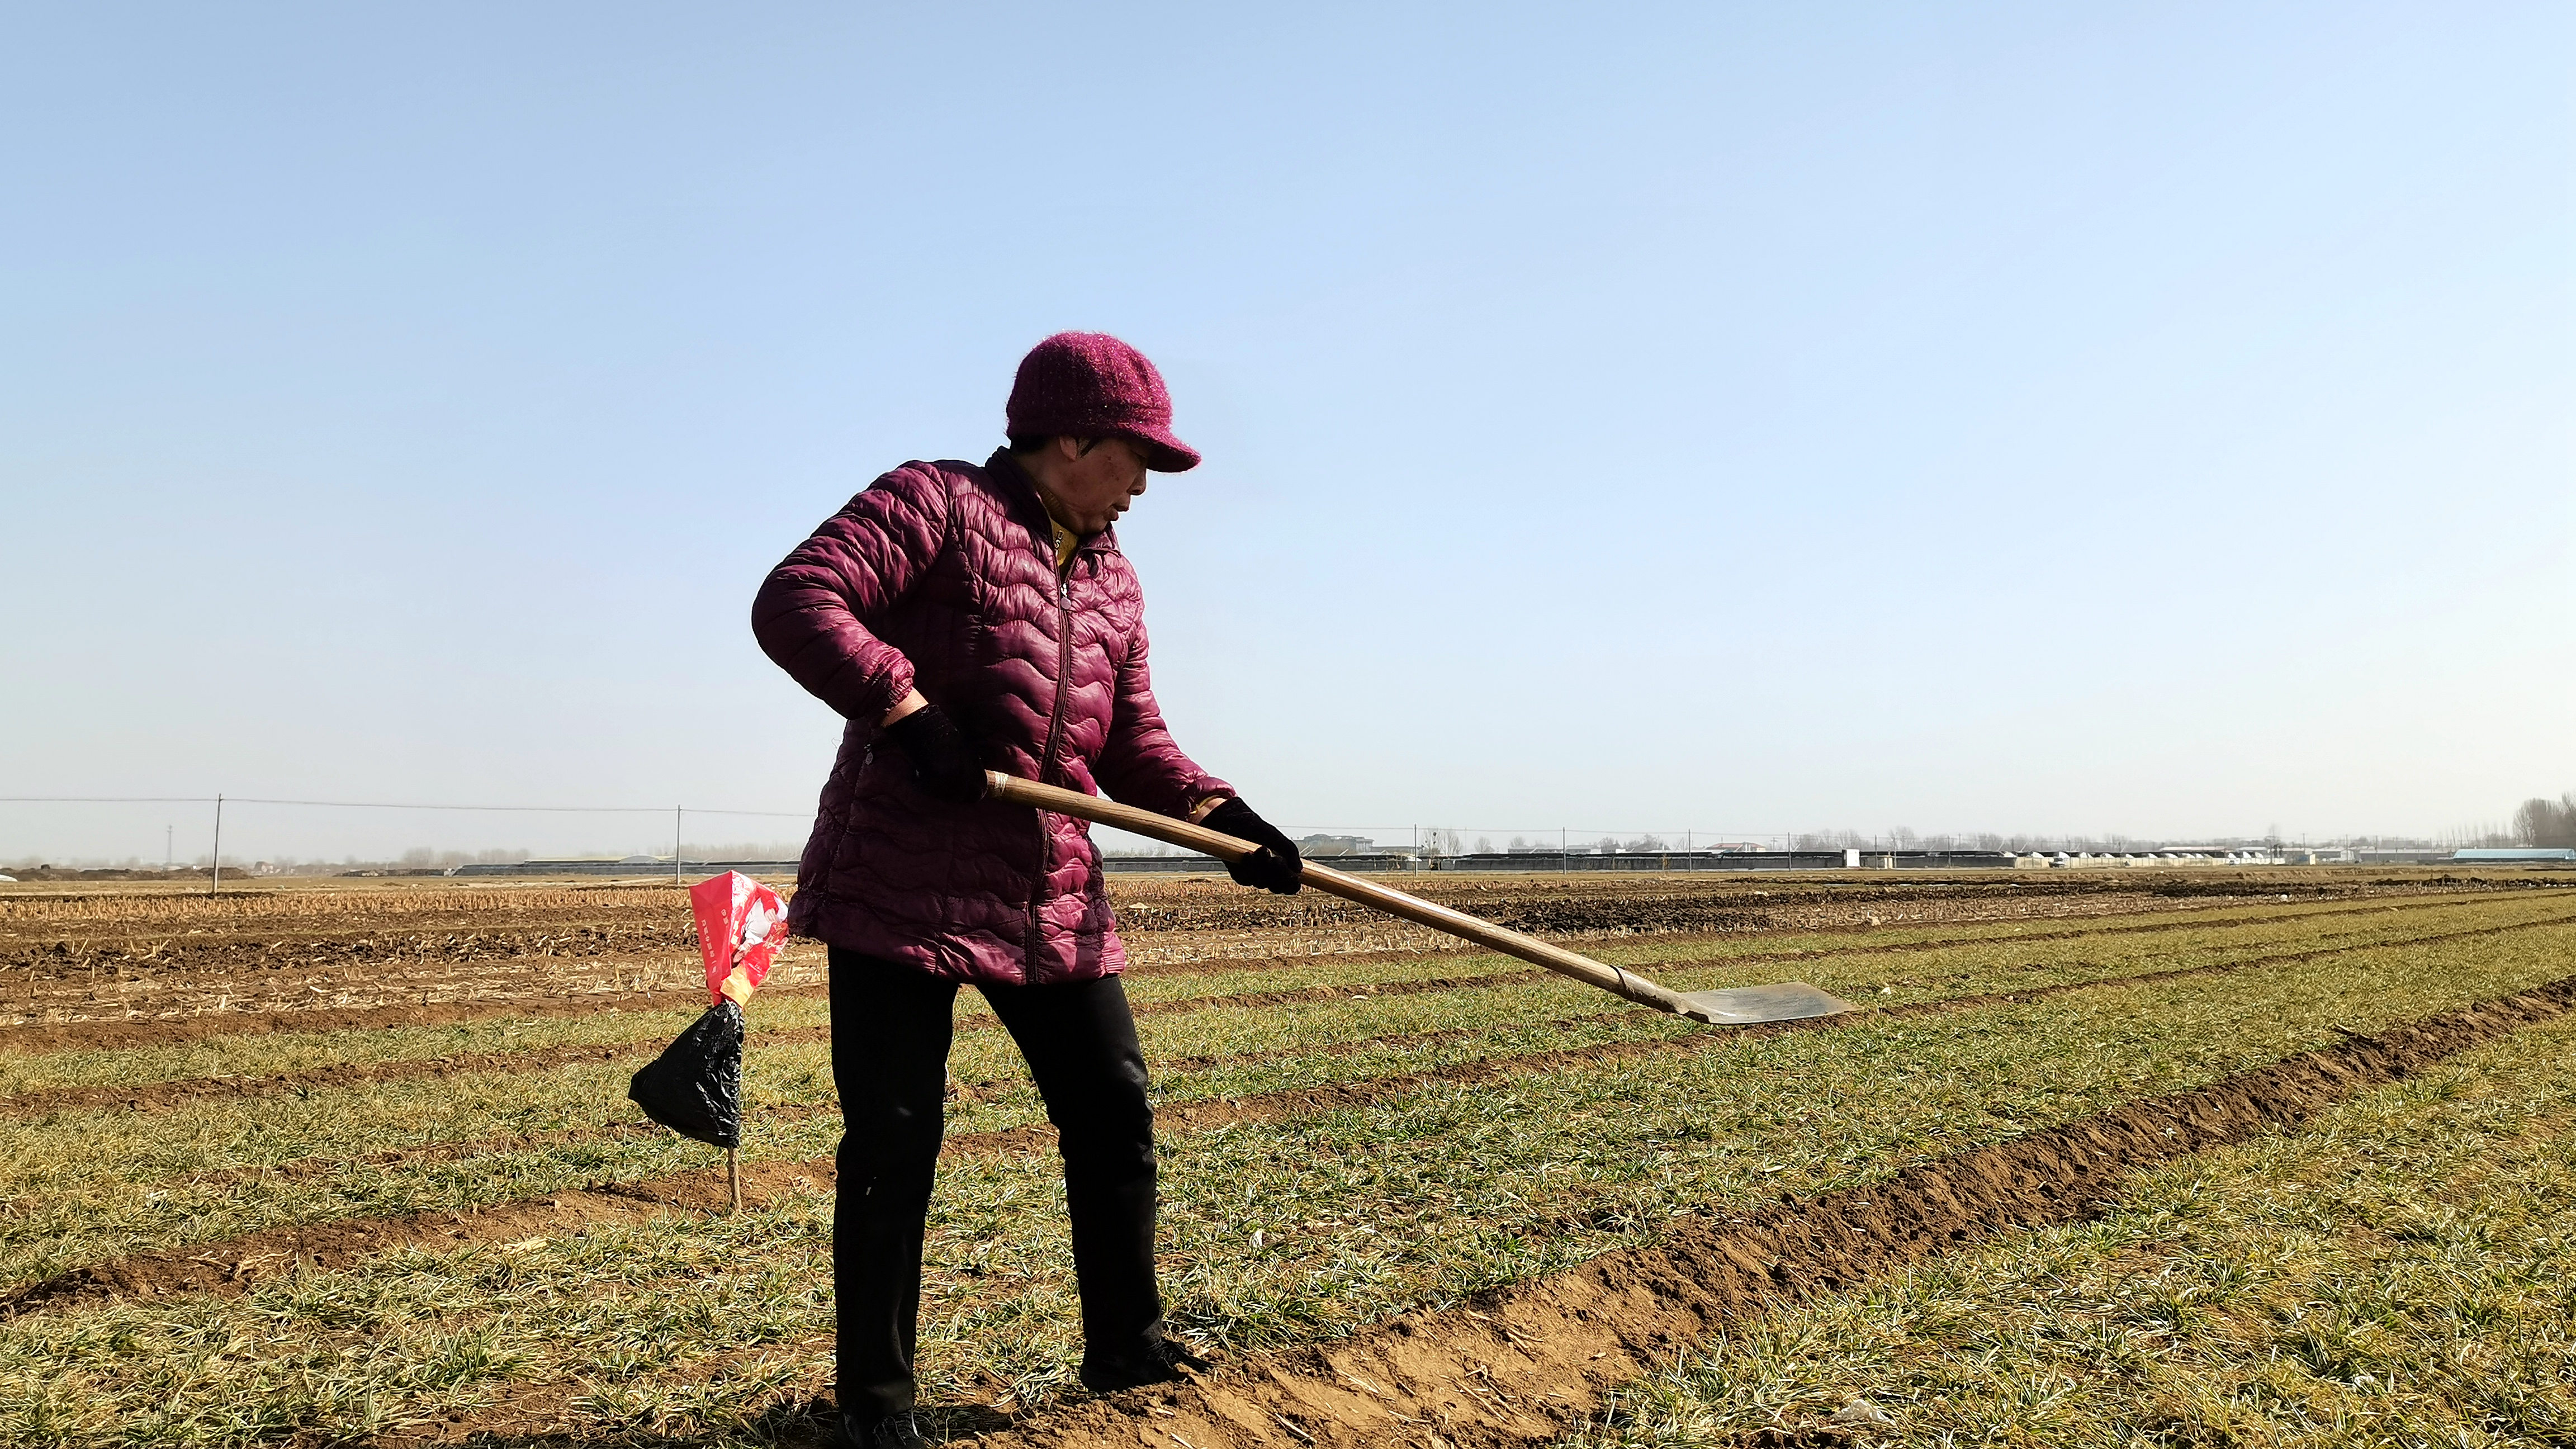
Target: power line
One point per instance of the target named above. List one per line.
(383, 805)
(107, 799)
(537, 809)
(652, 810)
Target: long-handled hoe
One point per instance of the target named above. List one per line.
(1734, 1006)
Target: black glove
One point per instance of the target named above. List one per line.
(944, 762)
(1275, 866)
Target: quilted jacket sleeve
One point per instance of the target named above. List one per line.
(1140, 765)
(811, 615)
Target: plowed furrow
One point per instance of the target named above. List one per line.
(1516, 1366)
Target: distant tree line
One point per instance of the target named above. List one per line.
(2545, 823)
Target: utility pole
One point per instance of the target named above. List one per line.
(216, 885)
(169, 852)
(675, 845)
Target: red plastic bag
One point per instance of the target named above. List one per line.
(741, 925)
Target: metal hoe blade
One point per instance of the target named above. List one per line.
(1746, 1005)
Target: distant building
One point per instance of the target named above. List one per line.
(1336, 845)
(654, 865)
(2532, 854)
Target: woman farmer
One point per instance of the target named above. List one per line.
(964, 617)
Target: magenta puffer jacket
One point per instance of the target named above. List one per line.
(942, 576)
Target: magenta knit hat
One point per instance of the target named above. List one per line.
(1091, 385)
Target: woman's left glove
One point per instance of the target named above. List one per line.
(1275, 866)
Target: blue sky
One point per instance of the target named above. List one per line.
(2024, 418)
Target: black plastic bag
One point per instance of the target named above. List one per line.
(695, 1086)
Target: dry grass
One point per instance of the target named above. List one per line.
(99, 1182)
(2402, 1271)
(1278, 1232)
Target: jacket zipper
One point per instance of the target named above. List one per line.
(1046, 761)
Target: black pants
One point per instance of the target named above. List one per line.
(890, 1033)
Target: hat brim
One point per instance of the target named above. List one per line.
(1163, 452)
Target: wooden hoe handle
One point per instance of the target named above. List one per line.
(1182, 833)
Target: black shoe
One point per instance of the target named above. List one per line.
(893, 1431)
(1162, 1362)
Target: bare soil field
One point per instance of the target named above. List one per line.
(154, 954)
(351, 1162)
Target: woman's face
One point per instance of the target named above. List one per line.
(1091, 489)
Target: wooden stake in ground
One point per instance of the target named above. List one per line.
(695, 1086)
